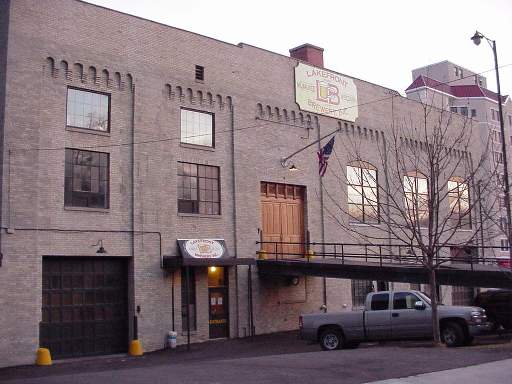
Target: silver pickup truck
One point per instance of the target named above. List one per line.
(393, 315)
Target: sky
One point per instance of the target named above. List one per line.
(379, 41)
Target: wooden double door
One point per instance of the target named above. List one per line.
(282, 219)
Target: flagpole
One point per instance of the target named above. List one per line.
(285, 159)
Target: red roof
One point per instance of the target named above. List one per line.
(470, 90)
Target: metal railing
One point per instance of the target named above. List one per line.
(378, 253)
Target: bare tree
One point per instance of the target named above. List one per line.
(431, 164)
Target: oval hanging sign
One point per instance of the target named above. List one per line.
(204, 248)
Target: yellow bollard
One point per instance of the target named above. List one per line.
(135, 348)
(262, 255)
(310, 254)
(43, 357)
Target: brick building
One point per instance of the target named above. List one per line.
(121, 136)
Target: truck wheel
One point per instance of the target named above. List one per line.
(452, 335)
(331, 339)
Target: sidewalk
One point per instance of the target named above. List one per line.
(488, 373)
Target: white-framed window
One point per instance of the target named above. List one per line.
(416, 198)
(88, 110)
(197, 128)
(362, 193)
(458, 201)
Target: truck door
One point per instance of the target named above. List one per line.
(378, 317)
(408, 322)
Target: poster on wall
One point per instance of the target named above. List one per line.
(325, 93)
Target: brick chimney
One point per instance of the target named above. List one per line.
(309, 53)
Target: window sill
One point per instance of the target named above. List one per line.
(363, 224)
(199, 215)
(86, 209)
(87, 131)
(195, 146)
(192, 333)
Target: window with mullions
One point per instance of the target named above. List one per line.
(458, 200)
(89, 110)
(362, 194)
(416, 198)
(198, 189)
(86, 179)
(197, 128)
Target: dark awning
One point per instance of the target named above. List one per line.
(204, 252)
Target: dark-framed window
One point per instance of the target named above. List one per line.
(362, 193)
(360, 288)
(88, 110)
(197, 128)
(86, 179)
(191, 299)
(198, 189)
(199, 73)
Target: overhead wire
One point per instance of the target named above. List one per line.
(267, 122)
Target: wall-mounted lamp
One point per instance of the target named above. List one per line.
(99, 244)
(285, 163)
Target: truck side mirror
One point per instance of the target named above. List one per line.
(419, 305)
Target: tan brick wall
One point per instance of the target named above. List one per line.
(156, 55)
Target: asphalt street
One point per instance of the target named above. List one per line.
(282, 359)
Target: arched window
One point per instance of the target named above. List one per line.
(362, 194)
(458, 200)
(416, 198)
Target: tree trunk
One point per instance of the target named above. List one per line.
(433, 297)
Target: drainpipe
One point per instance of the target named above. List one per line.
(235, 237)
(132, 195)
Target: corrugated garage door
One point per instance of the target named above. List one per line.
(85, 306)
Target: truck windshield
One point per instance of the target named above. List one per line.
(425, 298)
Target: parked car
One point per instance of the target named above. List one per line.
(498, 307)
(393, 315)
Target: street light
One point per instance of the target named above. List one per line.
(477, 38)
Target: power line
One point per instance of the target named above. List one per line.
(152, 141)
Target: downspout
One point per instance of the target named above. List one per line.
(235, 237)
(132, 195)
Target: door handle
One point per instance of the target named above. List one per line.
(395, 314)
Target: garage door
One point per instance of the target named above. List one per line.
(282, 219)
(84, 306)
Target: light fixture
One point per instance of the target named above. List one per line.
(285, 163)
(213, 269)
(477, 38)
(99, 244)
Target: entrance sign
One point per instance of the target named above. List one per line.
(325, 93)
(203, 248)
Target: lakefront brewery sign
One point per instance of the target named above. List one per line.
(326, 93)
(204, 248)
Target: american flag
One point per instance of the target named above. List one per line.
(323, 156)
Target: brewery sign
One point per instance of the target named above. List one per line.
(325, 92)
(203, 248)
